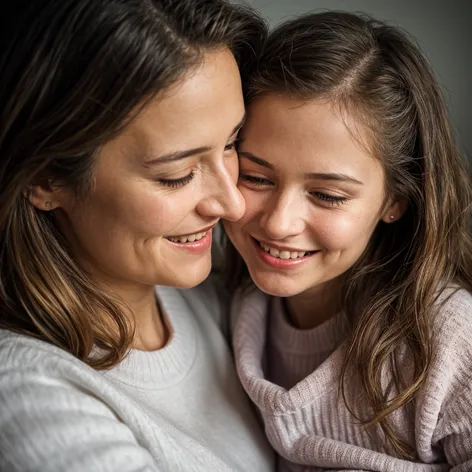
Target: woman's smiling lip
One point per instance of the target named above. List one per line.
(195, 247)
(203, 230)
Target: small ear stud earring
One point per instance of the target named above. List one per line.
(391, 217)
(49, 209)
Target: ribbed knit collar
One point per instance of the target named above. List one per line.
(167, 366)
(250, 318)
(288, 338)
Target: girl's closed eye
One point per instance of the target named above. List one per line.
(254, 180)
(328, 199)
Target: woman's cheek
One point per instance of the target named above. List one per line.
(155, 213)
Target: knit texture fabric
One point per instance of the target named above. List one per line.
(293, 377)
(177, 409)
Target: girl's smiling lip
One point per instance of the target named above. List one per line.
(295, 259)
(281, 247)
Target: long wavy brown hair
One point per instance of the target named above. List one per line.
(73, 73)
(377, 74)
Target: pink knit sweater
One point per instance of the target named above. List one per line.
(293, 377)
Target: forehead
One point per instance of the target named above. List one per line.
(201, 109)
(307, 133)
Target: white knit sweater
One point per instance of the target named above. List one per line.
(177, 409)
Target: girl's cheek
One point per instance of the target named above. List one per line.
(341, 230)
(254, 203)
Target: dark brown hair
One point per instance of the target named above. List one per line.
(377, 74)
(73, 73)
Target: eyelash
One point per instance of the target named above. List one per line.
(254, 180)
(174, 183)
(324, 197)
(329, 199)
(232, 145)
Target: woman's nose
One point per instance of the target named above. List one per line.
(223, 199)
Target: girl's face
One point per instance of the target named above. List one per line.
(313, 195)
(160, 187)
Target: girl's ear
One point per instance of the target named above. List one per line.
(43, 195)
(395, 210)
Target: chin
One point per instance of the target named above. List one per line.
(192, 277)
(274, 287)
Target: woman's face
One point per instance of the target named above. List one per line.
(313, 195)
(162, 185)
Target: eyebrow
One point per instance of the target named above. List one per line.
(178, 155)
(309, 176)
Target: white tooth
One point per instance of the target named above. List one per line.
(274, 252)
(301, 254)
(191, 238)
(293, 255)
(266, 248)
(284, 255)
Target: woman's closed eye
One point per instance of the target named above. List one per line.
(232, 145)
(180, 182)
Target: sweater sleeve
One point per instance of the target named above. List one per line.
(453, 383)
(457, 430)
(50, 424)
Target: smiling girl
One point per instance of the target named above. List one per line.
(355, 338)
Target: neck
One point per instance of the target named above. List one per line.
(151, 328)
(313, 307)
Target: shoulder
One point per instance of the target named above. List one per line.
(25, 352)
(29, 363)
(58, 413)
(445, 404)
(35, 374)
(451, 356)
(453, 322)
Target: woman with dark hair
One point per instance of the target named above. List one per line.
(118, 121)
(356, 345)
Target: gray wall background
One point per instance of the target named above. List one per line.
(442, 27)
